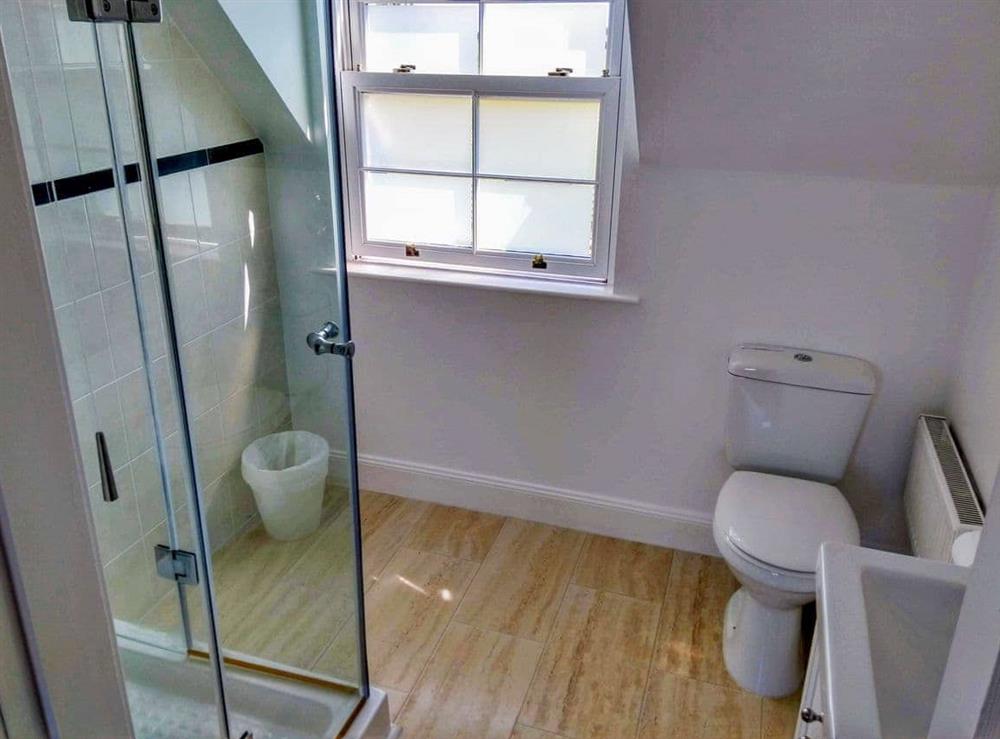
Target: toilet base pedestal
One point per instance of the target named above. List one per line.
(762, 646)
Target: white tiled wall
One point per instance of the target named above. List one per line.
(218, 241)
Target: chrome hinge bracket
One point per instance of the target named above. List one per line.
(176, 564)
(115, 11)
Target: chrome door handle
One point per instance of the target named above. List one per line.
(109, 489)
(322, 341)
(810, 716)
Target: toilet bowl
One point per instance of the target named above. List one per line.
(794, 417)
(769, 529)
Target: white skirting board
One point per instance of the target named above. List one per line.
(660, 525)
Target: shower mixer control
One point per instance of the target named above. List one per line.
(322, 341)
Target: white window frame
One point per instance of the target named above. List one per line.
(597, 268)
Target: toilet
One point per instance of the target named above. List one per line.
(794, 417)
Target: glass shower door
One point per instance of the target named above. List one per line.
(184, 173)
(71, 103)
(234, 101)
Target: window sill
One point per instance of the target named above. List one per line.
(502, 283)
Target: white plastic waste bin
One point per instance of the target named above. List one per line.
(287, 473)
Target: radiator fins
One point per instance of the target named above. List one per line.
(962, 495)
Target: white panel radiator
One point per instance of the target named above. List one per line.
(939, 499)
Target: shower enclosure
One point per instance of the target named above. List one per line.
(183, 162)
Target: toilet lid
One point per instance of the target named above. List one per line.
(783, 520)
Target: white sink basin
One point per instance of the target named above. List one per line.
(887, 622)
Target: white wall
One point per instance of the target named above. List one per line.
(974, 400)
(627, 402)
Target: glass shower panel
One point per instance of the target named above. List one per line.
(184, 174)
(244, 164)
(108, 306)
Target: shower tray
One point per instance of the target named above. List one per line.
(169, 700)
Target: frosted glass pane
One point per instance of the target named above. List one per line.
(419, 209)
(404, 131)
(438, 39)
(535, 217)
(539, 137)
(535, 38)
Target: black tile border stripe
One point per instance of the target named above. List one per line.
(228, 152)
(182, 162)
(65, 188)
(83, 184)
(43, 193)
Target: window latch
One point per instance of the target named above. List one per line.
(538, 262)
(405, 68)
(561, 72)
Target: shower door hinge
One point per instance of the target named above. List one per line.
(115, 11)
(176, 564)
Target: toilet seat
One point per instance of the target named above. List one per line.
(745, 566)
(778, 523)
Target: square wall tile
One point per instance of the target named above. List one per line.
(166, 397)
(40, 32)
(89, 117)
(239, 424)
(116, 523)
(200, 385)
(109, 419)
(94, 340)
(29, 122)
(123, 328)
(152, 315)
(76, 40)
(85, 420)
(180, 491)
(61, 284)
(57, 125)
(14, 43)
(218, 513)
(138, 231)
(273, 408)
(209, 446)
(230, 200)
(108, 236)
(209, 115)
(72, 352)
(78, 246)
(272, 338)
(236, 351)
(152, 41)
(226, 283)
(160, 91)
(190, 302)
(149, 490)
(179, 45)
(130, 584)
(258, 253)
(240, 500)
(177, 217)
(120, 104)
(133, 389)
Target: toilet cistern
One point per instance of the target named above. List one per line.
(794, 417)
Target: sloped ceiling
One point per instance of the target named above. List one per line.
(899, 90)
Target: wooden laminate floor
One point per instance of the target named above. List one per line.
(483, 626)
